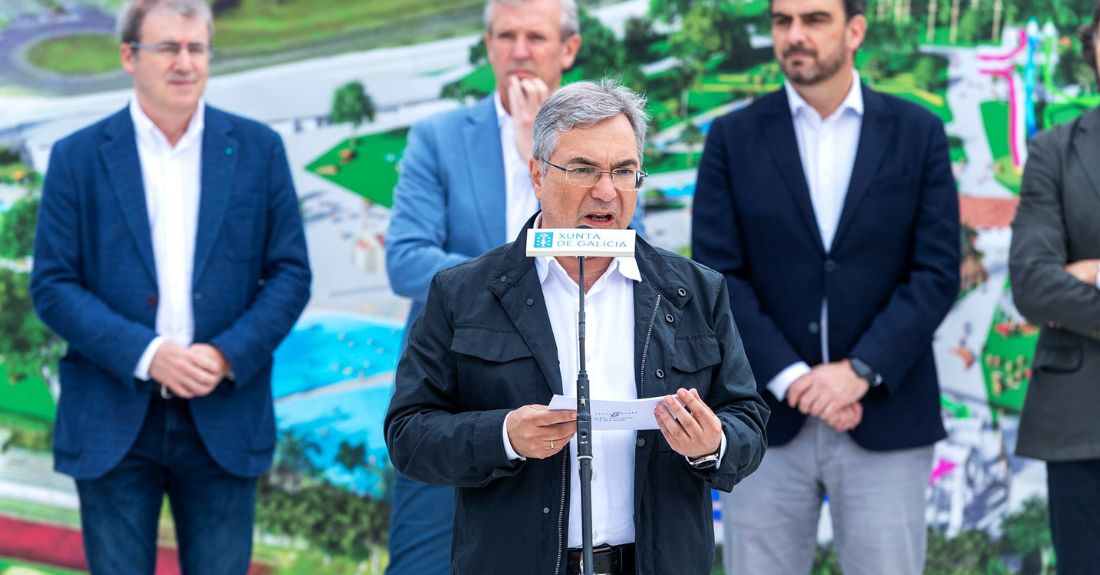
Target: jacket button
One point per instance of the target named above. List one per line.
(682, 292)
(546, 510)
(669, 318)
(813, 327)
(503, 279)
(641, 442)
(830, 266)
(151, 300)
(530, 301)
(660, 374)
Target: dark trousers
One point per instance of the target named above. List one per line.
(213, 511)
(1073, 489)
(420, 528)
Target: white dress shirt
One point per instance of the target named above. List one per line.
(827, 147)
(520, 203)
(171, 176)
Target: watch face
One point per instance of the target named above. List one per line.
(708, 462)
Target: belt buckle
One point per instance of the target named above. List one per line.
(165, 392)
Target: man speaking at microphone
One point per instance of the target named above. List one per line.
(498, 339)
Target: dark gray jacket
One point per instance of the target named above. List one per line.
(484, 346)
(1058, 222)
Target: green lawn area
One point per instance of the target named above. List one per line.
(309, 562)
(77, 54)
(1006, 362)
(263, 25)
(482, 81)
(40, 513)
(672, 163)
(1055, 114)
(995, 120)
(28, 396)
(372, 172)
(905, 87)
(13, 172)
(13, 567)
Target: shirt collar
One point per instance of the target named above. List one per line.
(503, 118)
(853, 101)
(149, 133)
(625, 267)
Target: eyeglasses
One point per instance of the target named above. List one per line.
(197, 50)
(580, 175)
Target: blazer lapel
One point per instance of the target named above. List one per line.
(485, 162)
(219, 161)
(779, 130)
(120, 155)
(874, 140)
(515, 282)
(1087, 147)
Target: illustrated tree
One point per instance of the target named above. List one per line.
(293, 460)
(639, 38)
(352, 457)
(351, 105)
(17, 228)
(1026, 534)
(25, 342)
(692, 137)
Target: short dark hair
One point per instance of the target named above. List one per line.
(1087, 35)
(852, 8)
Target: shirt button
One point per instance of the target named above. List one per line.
(660, 374)
(546, 510)
(669, 318)
(641, 442)
(813, 327)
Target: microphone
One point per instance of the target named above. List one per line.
(582, 242)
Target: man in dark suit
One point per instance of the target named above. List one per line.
(170, 255)
(832, 212)
(1054, 265)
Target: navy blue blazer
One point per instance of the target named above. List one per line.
(94, 284)
(890, 277)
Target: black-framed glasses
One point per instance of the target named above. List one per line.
(585, 176)
(197, 50)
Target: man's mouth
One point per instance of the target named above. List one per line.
(599, 219)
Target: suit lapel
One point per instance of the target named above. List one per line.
(521, 283)
(120, 155)
(219, 161)
(1087, 147)
(779, 130)
(485, 162)
(874, 139)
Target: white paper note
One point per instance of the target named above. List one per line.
(630, 414)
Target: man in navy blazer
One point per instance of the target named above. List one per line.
(832, 211)
(170, 255)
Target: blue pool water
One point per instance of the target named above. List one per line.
(328, 349)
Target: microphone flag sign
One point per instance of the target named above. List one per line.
(581, 242)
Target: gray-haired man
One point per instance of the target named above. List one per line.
(496, 341)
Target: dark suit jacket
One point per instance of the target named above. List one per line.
(1058, 222)
(484, 346)
(94, 284)
(890, 277)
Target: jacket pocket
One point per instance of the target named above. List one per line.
(495, 369)
(693, 362)
(1060, 359)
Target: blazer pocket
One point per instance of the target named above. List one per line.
(890, 185)
(1060, 359)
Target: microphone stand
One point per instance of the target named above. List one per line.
(584, 437)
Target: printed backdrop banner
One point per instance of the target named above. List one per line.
(342, 81)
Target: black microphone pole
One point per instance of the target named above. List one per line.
(584, 437)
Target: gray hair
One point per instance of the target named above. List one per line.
(584, 104)
(133, 13)
(570, 23)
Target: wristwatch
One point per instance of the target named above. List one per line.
(865, 371)
(705, 462)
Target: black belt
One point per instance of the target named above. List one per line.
(606, 559)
